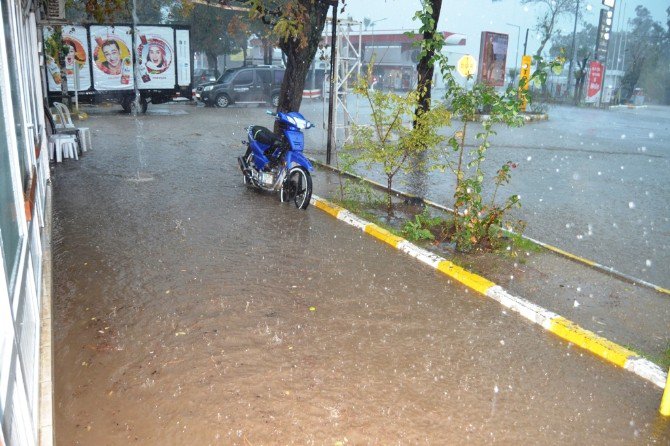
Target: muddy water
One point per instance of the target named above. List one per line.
(192, 311)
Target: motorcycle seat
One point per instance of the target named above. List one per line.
(264, 135)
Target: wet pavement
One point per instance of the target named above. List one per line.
(191, 310)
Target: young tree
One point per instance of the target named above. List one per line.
(584, 43)
(117, 11)
(546, 23)
(213, 30)
(391, 142)
(644, 51)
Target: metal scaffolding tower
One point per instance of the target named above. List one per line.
(348, 62)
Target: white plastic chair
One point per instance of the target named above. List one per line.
(62, 146)
(83, 133)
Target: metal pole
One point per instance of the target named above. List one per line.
(518, 38)
(602, 83)
(332, 93)
(76, 86)
(525, 43)
(574, 47)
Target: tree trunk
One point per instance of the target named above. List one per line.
(579, 81)
(426, 68)
(212, 60)
(300, 54)
(389, 196)
(267, 51)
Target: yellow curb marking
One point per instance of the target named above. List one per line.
(329, 208)
(664, 409)
(383, 235)
(590, 341)
(572, 256)
(474, 281)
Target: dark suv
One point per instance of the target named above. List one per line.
(246, 85)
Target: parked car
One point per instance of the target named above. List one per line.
(202, 75)
(246, 85)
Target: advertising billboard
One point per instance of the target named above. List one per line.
(595, 81)
(493, 58)
(75, 43)
(155, 57)
(112, 59)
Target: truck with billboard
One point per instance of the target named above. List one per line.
(119, 63)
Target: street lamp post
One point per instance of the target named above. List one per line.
(372, 27)
(516, 57)
(574, 48)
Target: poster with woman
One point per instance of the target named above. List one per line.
(493, 58)
(154, 56)
(112, 60)
(75, 49)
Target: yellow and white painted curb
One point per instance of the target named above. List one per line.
(550, 321)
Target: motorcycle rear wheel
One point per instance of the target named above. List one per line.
(297, 187)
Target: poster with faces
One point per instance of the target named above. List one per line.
(112, 60)
(76, 66)
(154, 57)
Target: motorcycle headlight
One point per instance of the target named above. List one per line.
(208, 88)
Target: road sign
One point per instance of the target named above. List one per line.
(467, 66)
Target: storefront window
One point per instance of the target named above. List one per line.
(17, 102)
(9, 227)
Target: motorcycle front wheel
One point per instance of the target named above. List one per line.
(248, 158)
(297, 187)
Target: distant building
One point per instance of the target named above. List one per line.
(395, 56)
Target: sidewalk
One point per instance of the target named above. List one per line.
(633, 316)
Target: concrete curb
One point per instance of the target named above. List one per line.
(550, 321)
(526, 117)
(590, 263)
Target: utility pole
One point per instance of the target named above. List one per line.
(332, 93)
(574, 48)
(525, 43)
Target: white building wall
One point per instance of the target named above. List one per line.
(24, 171)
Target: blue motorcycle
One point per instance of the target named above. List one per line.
(276, 163)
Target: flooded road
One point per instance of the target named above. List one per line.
(190, 310)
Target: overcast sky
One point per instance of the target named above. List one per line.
(471, 17)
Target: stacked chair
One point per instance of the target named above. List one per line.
(67, 141)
